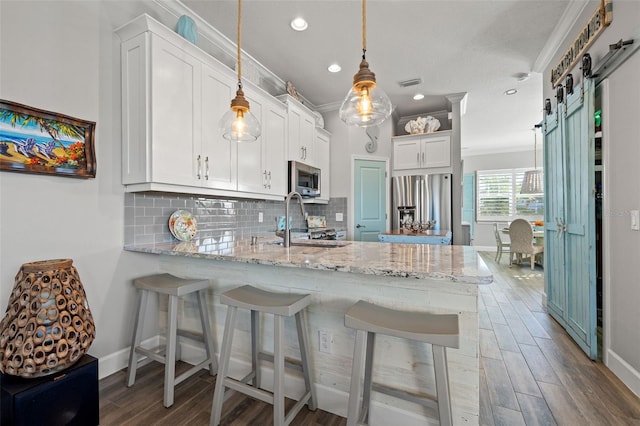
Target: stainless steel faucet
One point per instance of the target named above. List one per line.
(287, 229)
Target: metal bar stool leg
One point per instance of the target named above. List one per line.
(137, 336)
(170, 355)
(368, 380)
(255, 347)
(356, 371)
(278, 373)
(223, 368)
(206, 332)
(301, 325)
(442, 384)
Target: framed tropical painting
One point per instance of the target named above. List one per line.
(37, 141)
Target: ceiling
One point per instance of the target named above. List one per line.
(480, 47)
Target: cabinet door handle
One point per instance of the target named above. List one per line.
(199, 167)
(206, 167)
(418, 158)
(305, 153)
(302, 152)
(423, 157)
(269, 174)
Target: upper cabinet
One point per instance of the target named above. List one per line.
(424, 151)
(262, 167)
(323, 154)
(173, 96)
(302, 132)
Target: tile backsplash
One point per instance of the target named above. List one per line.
(147, 215)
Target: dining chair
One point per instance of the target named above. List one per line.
(521, 235)
(499, 243)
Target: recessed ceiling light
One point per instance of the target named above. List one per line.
(418, 96)
(334, 68)
(299, 24)
(511, 92)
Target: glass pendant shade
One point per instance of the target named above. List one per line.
(532, 182)
(366, 104)
(239, 124)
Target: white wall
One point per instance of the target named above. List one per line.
(347, 141)
(621, 173)
(63, 57)
(484, 237)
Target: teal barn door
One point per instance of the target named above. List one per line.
(570, 246)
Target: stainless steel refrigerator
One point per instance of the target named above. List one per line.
(422, 198)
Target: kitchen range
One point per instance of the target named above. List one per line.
(316, 229)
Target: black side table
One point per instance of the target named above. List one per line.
(69, 397)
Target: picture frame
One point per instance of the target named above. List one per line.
(43, 142)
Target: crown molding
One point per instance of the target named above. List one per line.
(222, 48)
(567, 21)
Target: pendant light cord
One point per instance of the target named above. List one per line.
(239, 40)
(364, 28)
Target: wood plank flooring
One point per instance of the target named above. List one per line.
(531, 373)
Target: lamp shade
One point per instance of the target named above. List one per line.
(240, 126)
(366, 104)
(365, 109)
(532, 182)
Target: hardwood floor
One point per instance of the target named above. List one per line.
(531, 373)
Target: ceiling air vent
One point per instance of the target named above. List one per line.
(410, 82)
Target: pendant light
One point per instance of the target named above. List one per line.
(532, 181)
(239, 124)
(365, 105)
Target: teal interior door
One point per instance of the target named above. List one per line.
(570, 246)
(370, 199)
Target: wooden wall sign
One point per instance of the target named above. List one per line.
(600, 19)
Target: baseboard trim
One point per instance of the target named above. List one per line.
(625, 372)
(112, 363)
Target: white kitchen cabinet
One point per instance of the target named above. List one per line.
(431, 150)
(302, 130)
(216, 158)
(323, 154)
(174, 96)
(262, 165)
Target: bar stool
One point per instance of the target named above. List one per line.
(280, 305)
(174, 287)
(440, 330)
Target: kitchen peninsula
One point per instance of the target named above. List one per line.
(421, 277)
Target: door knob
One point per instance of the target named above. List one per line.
(360, 226)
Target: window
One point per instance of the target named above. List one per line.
(499, 198)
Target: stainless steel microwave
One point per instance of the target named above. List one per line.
(304, 179)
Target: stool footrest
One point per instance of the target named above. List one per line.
(292, 363)
(424, 399)
(156, 354)
(296, 408)
(246, 389)
(190, 372)
(193, 335)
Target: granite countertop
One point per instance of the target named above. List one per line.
(453, 263)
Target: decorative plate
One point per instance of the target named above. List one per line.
(183, 225)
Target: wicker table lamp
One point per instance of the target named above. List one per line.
(47, 326)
